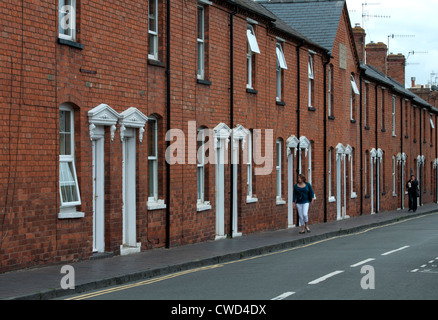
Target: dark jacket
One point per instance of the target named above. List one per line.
(414, 187)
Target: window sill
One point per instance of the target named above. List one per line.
(311, 108)
(352, 120)
(332, 199)
(383, 130)
(251, 90)
(353, 195)
(251, 199)
(280, 103)
(331, 118)
(156, 204)
(70, 213)
(280, 201)
(156, 63)
(367, 128)
(203, 206)
(204, 82)
(71, 43)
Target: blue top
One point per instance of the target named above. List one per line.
(303, 195)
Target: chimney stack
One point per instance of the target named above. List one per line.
(359, 39)
(413, 79)
(376, 56)
(396, 67)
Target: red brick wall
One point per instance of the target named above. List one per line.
(37, 75)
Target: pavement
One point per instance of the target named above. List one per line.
(44, 283)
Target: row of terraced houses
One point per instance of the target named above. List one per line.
(238, 95)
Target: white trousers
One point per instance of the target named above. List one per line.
(303, 209)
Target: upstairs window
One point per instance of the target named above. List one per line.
(354, 92)
(253, 48)
(153, 29)
(67, 19)
(311, 80)
(281, 65)
(201, 42)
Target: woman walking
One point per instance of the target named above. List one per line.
(302, 197)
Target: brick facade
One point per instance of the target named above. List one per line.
(107, 63)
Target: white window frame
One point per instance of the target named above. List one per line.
(153, 34)
(67, 209)
(330, 90)
(311, 77)
(201, 204)
(278, 170)
(280, 65)
(365, 103)
(201, 42)
(354, 91)
(365, 174)
(68, 10)
(252, 40)
(331, 197)
(352, 192)
(153, 161)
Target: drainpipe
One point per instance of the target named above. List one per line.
(298, 110)
(168, 113)
(401, 152)
(232, 14)
(325, 135)
(420, 170)
(361, 142)
(377, 146)
(298, 97)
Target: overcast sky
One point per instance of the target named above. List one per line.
(414, 25)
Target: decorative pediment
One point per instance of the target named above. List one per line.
(239, 132)
(132, 118)
(421, 159)
(435, 163)
(340, 149)
(292, 142)
(103, 115)
(221, 131)
(401, 157)
(304, 143)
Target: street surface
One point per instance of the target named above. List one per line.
(397, 261)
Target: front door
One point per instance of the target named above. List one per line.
(98, 194)
(129, 197)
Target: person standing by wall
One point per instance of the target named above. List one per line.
(302, 197)
(413, 192)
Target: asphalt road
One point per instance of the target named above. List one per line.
(397, 261)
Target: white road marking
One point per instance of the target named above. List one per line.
(399, 249)
(362, 262)
(283, 296)
(415, 270)
(325, 277)
(431, 261)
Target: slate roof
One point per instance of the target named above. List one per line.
(318, 20)
(257, 8)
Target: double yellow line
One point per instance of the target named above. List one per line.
(178, 274)
(141, 283)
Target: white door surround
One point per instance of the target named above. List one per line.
(221, 135)
(99, 117)
(130, 120)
